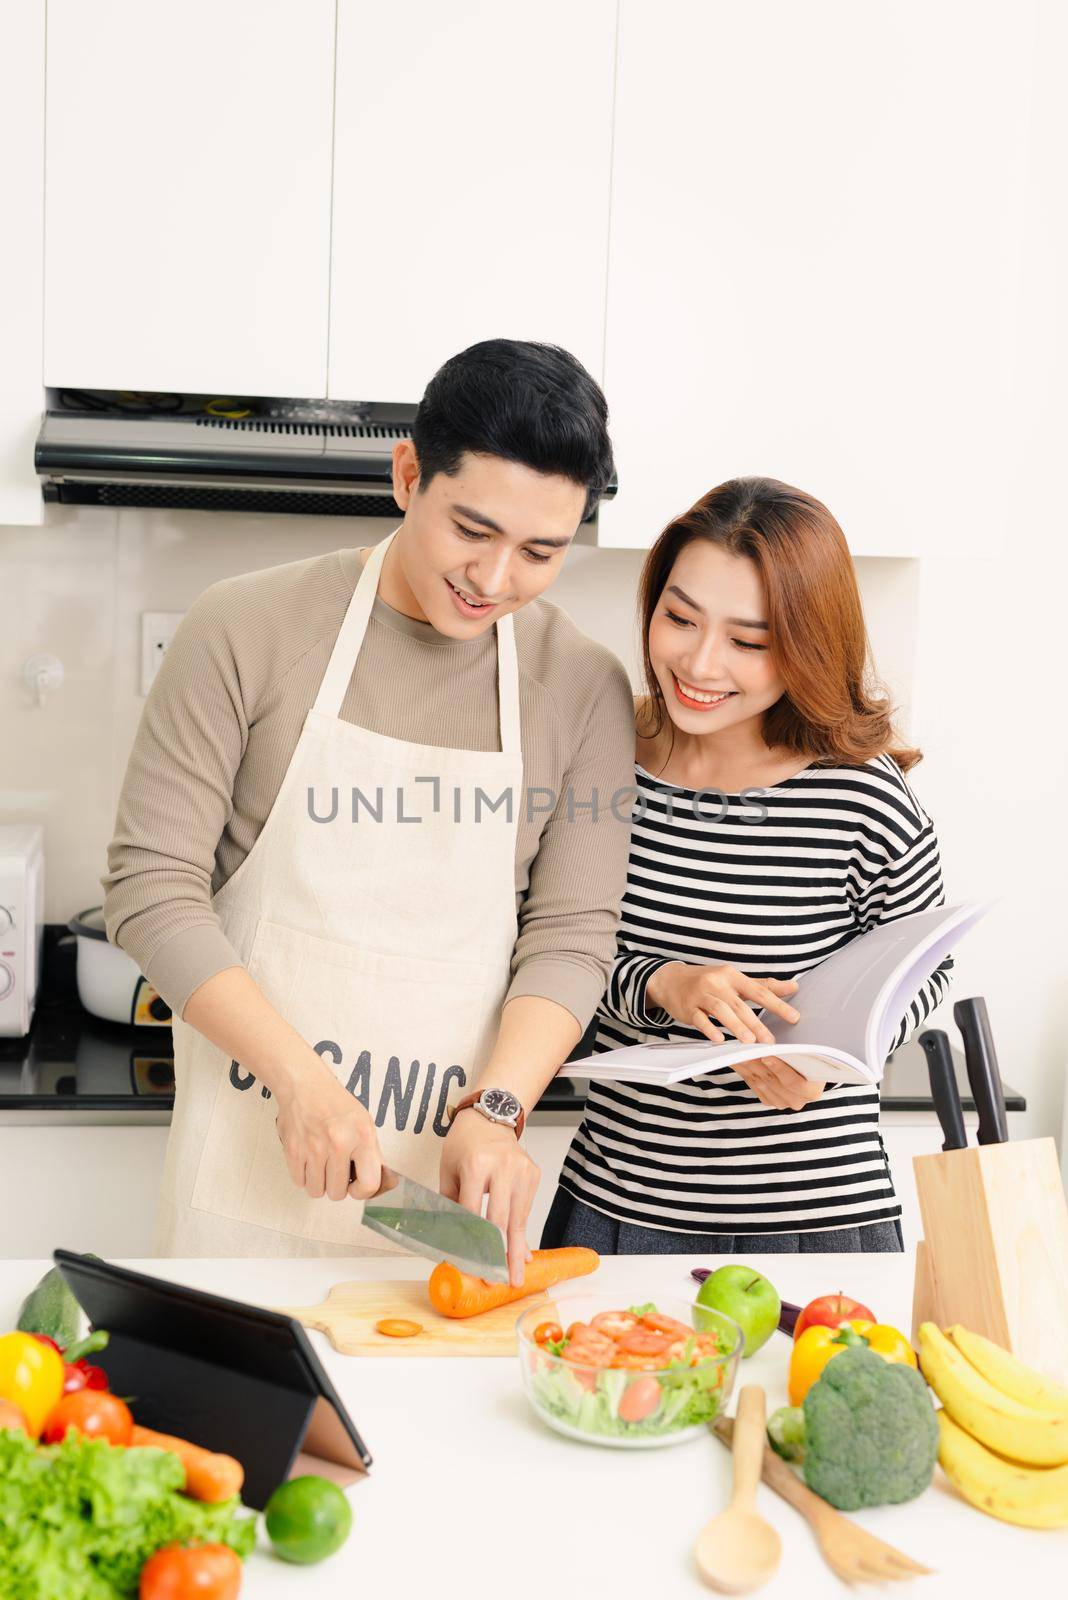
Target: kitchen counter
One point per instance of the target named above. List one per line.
(465, 1476)
(70, 1062)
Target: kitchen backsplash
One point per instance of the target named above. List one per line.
(76, 589)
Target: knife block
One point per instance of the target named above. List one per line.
(994, 1255)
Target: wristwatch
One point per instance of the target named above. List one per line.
(496, 1105)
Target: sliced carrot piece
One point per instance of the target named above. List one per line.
(398, 1328)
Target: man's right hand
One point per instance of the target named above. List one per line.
(324, 1132)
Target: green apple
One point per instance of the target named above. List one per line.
(748, 1297)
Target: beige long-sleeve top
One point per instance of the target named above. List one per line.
(222, 721)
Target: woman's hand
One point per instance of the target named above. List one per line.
(775, 1083)
(479, 1158)
(323, 1129)
(693, 995)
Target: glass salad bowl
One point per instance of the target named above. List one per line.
(629, 1376)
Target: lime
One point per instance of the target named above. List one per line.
(307, 1519)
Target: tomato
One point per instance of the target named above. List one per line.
(656, 1322)
(90, 1411)
(625, 1362)
(642, 1342)
(614, 1323)
(548, 1333)
(830, 1311)
(639, 1400)
(307, 1519)
(13, 1417)
(191, 1572)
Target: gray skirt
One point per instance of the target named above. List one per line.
(571, 1222)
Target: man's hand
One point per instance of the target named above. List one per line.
(695, 994)
(479, 1159)
(323, 1129)
(776, 1083)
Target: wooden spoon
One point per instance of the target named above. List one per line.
(738, 1551)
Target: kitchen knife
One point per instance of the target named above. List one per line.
(421, 1220)
(944, 1092)
(983, 1074)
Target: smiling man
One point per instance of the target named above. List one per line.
(370, 847)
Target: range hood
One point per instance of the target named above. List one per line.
(319, 458)
(282, 458)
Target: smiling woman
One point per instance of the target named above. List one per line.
(756, 662)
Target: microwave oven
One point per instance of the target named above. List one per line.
(21, 924)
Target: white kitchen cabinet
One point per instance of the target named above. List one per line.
(188, 195)
(813, 262)
(471, 184)
(22, 54)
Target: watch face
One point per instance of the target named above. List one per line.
(500, 1104)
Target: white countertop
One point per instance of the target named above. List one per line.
(471, 1496)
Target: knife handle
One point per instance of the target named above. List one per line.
(983, 1074)
(389, 1179)
(944, 1092)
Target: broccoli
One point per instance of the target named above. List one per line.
(870, 1434)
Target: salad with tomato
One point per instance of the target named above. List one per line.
(642, 1375)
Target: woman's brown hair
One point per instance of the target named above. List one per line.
(833, 710)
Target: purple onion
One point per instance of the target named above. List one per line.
(787, 1316)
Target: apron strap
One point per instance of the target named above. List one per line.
(508, 687)
(351, 634)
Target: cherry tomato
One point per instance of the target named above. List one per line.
(656, 1322)
(191, 1572)
(614, 1323)
(12, 1416)
(642, 1342)
(89, 1411)
(548, 1333)
(639, 1399)
(43, 1338)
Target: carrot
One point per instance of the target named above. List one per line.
(208, 1476)
(457, 1294)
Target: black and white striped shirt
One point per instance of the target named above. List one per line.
(839, 850)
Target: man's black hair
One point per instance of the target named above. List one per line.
(529, 403)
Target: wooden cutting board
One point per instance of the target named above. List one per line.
(348, 1315)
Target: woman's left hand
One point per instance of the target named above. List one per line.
(778, 1085)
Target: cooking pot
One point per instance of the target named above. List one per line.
(110, 983)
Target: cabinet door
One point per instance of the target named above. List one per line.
(22, 53)
(471, 184)
(188, 195)
(812, 267)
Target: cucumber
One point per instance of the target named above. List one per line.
(52, 1309)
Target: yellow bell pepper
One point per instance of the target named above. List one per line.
(818, 1345)
(31, 1377)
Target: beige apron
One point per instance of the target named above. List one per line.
(377, 913)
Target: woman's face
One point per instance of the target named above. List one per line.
(708, 641)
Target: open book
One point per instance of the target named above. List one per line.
(851, 1006)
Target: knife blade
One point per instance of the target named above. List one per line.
(423, 1221)
(983, 1073)
(944, 1091)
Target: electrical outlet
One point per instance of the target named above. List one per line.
(157, 631)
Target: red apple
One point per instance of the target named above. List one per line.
(829, 1311)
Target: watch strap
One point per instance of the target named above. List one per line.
(471, 1099)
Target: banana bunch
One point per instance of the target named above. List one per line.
(1004, 1428)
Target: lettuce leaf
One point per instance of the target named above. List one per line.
(78, 1520)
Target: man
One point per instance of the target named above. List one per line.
(367, 847)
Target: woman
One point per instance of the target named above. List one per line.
(773, 824)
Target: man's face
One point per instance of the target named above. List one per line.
(495, 532)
